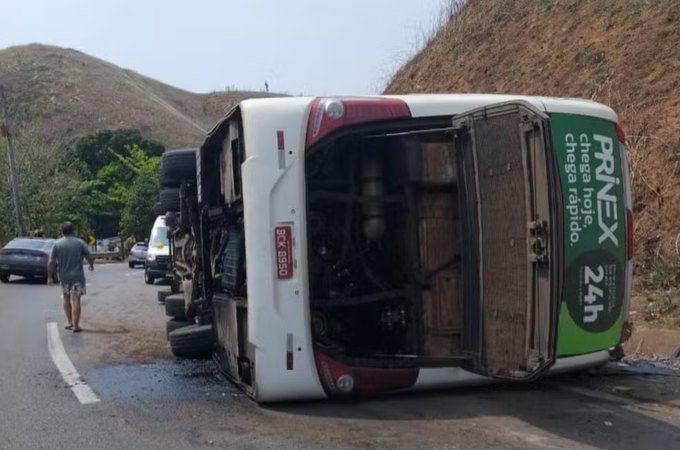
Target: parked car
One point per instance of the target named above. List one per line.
(137, 254)
(26, 257)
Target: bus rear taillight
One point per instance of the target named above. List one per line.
(626, 332)
(339, 379)
(330, 114)
(621, 135)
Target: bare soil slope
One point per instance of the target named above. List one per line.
(62, 93)
(624, 53)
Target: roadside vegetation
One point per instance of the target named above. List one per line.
(622, 53)
(106, 184)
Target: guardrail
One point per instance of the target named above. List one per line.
(109, 255)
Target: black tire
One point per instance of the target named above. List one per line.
(131, 265)
(4, 277)
(178, 166)
(174, 307)
(163, 294)
(169, 200)
(174, 324)
(148, 279)
(193, 341)
(168, 182)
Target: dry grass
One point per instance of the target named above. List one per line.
(620, 52)
(64, 93)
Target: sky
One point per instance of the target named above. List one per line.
(298, 46)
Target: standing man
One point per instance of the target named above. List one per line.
(67, 254)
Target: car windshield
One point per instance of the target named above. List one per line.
(31, 244)
(159, 237)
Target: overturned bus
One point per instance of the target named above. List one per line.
(338, 246)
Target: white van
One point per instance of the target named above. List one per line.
(375, 244)
(157, 263)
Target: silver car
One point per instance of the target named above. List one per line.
(25, 257)
(137, 254)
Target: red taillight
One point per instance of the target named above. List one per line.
(626, 332)
(330, 114)
(338, 379)
(621, 134)
(330, 371)
(630, 241)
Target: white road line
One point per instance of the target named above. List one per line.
(82, 391)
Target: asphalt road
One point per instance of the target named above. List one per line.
(149, 400)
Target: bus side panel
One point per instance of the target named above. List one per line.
(595, 261)
(278, 303)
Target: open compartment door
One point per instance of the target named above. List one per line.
(509, 282)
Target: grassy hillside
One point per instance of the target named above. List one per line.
(62, 93)
(624, 53)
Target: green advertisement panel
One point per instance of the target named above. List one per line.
(589, 159)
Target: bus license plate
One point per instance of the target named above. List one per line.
(283, 238)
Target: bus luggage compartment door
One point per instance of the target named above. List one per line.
(509, 296)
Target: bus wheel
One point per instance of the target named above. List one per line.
(175, 324)
(163, 294)
(174, 307)
(193, 341)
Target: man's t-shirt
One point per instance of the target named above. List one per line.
(69, 252)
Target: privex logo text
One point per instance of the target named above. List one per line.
(607, 216)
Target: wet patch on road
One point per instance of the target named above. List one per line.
(644, 381)
(163, 380)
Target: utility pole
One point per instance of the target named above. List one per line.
(12, 164)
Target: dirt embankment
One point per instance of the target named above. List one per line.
(623, 53)
(656, 318)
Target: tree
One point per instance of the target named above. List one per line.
(113, 189)
(49, 187)
(137, 217)
(101, 148)
(113, 160)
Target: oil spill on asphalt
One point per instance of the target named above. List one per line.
(161, 381)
